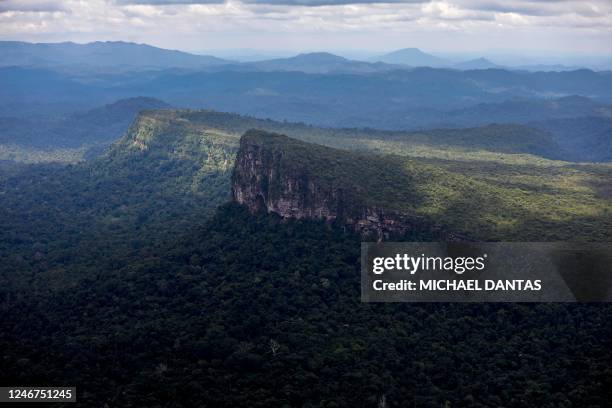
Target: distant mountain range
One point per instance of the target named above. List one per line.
(130, 56)
(320, 62)
(417, 98)
(43, 105)
(98, 126)
(101, 54)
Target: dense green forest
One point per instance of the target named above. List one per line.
(172, 168)
(125, 198)
(556, 140)
(252, 311)
(85, 134)
(132, 278)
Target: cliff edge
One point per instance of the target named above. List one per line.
(294, 179)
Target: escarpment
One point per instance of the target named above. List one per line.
(262, 180)
(294, 179)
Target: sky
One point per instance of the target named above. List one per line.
(536, 26)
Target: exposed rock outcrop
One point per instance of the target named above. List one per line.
(259, 182)
(267, 178)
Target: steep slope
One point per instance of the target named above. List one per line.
(198, 152)
(391, 195)
(160, 176)
(176, 165)
(297, 180)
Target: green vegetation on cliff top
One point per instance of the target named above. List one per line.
(559, 204)
(172, 168)
(465, 187)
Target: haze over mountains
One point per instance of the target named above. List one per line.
(46, 91)
(321, 62)
(478, 63)
(100, 54)
(128, 55)
(413, 57)
(99, 125)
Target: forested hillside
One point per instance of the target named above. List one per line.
(476, 200)
(123, 276)
(43, 137)
(445, 143)
(118, 201)
(176, 165)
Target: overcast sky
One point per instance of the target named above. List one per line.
(561, 26)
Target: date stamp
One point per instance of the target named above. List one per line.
(37, 394)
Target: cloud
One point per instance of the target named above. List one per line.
(168, 2)
(307, 3)
(31, 6)
(316, 3)
(541, 8)
(316, 24)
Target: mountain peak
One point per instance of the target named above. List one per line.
(320, 57)
(477, 63)
(413, 57)
(317, 62)
(409, 50)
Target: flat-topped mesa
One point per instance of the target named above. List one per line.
(263, 180)
(295, 179)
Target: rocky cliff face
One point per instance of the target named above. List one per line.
(266, 178)
(259, 182)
